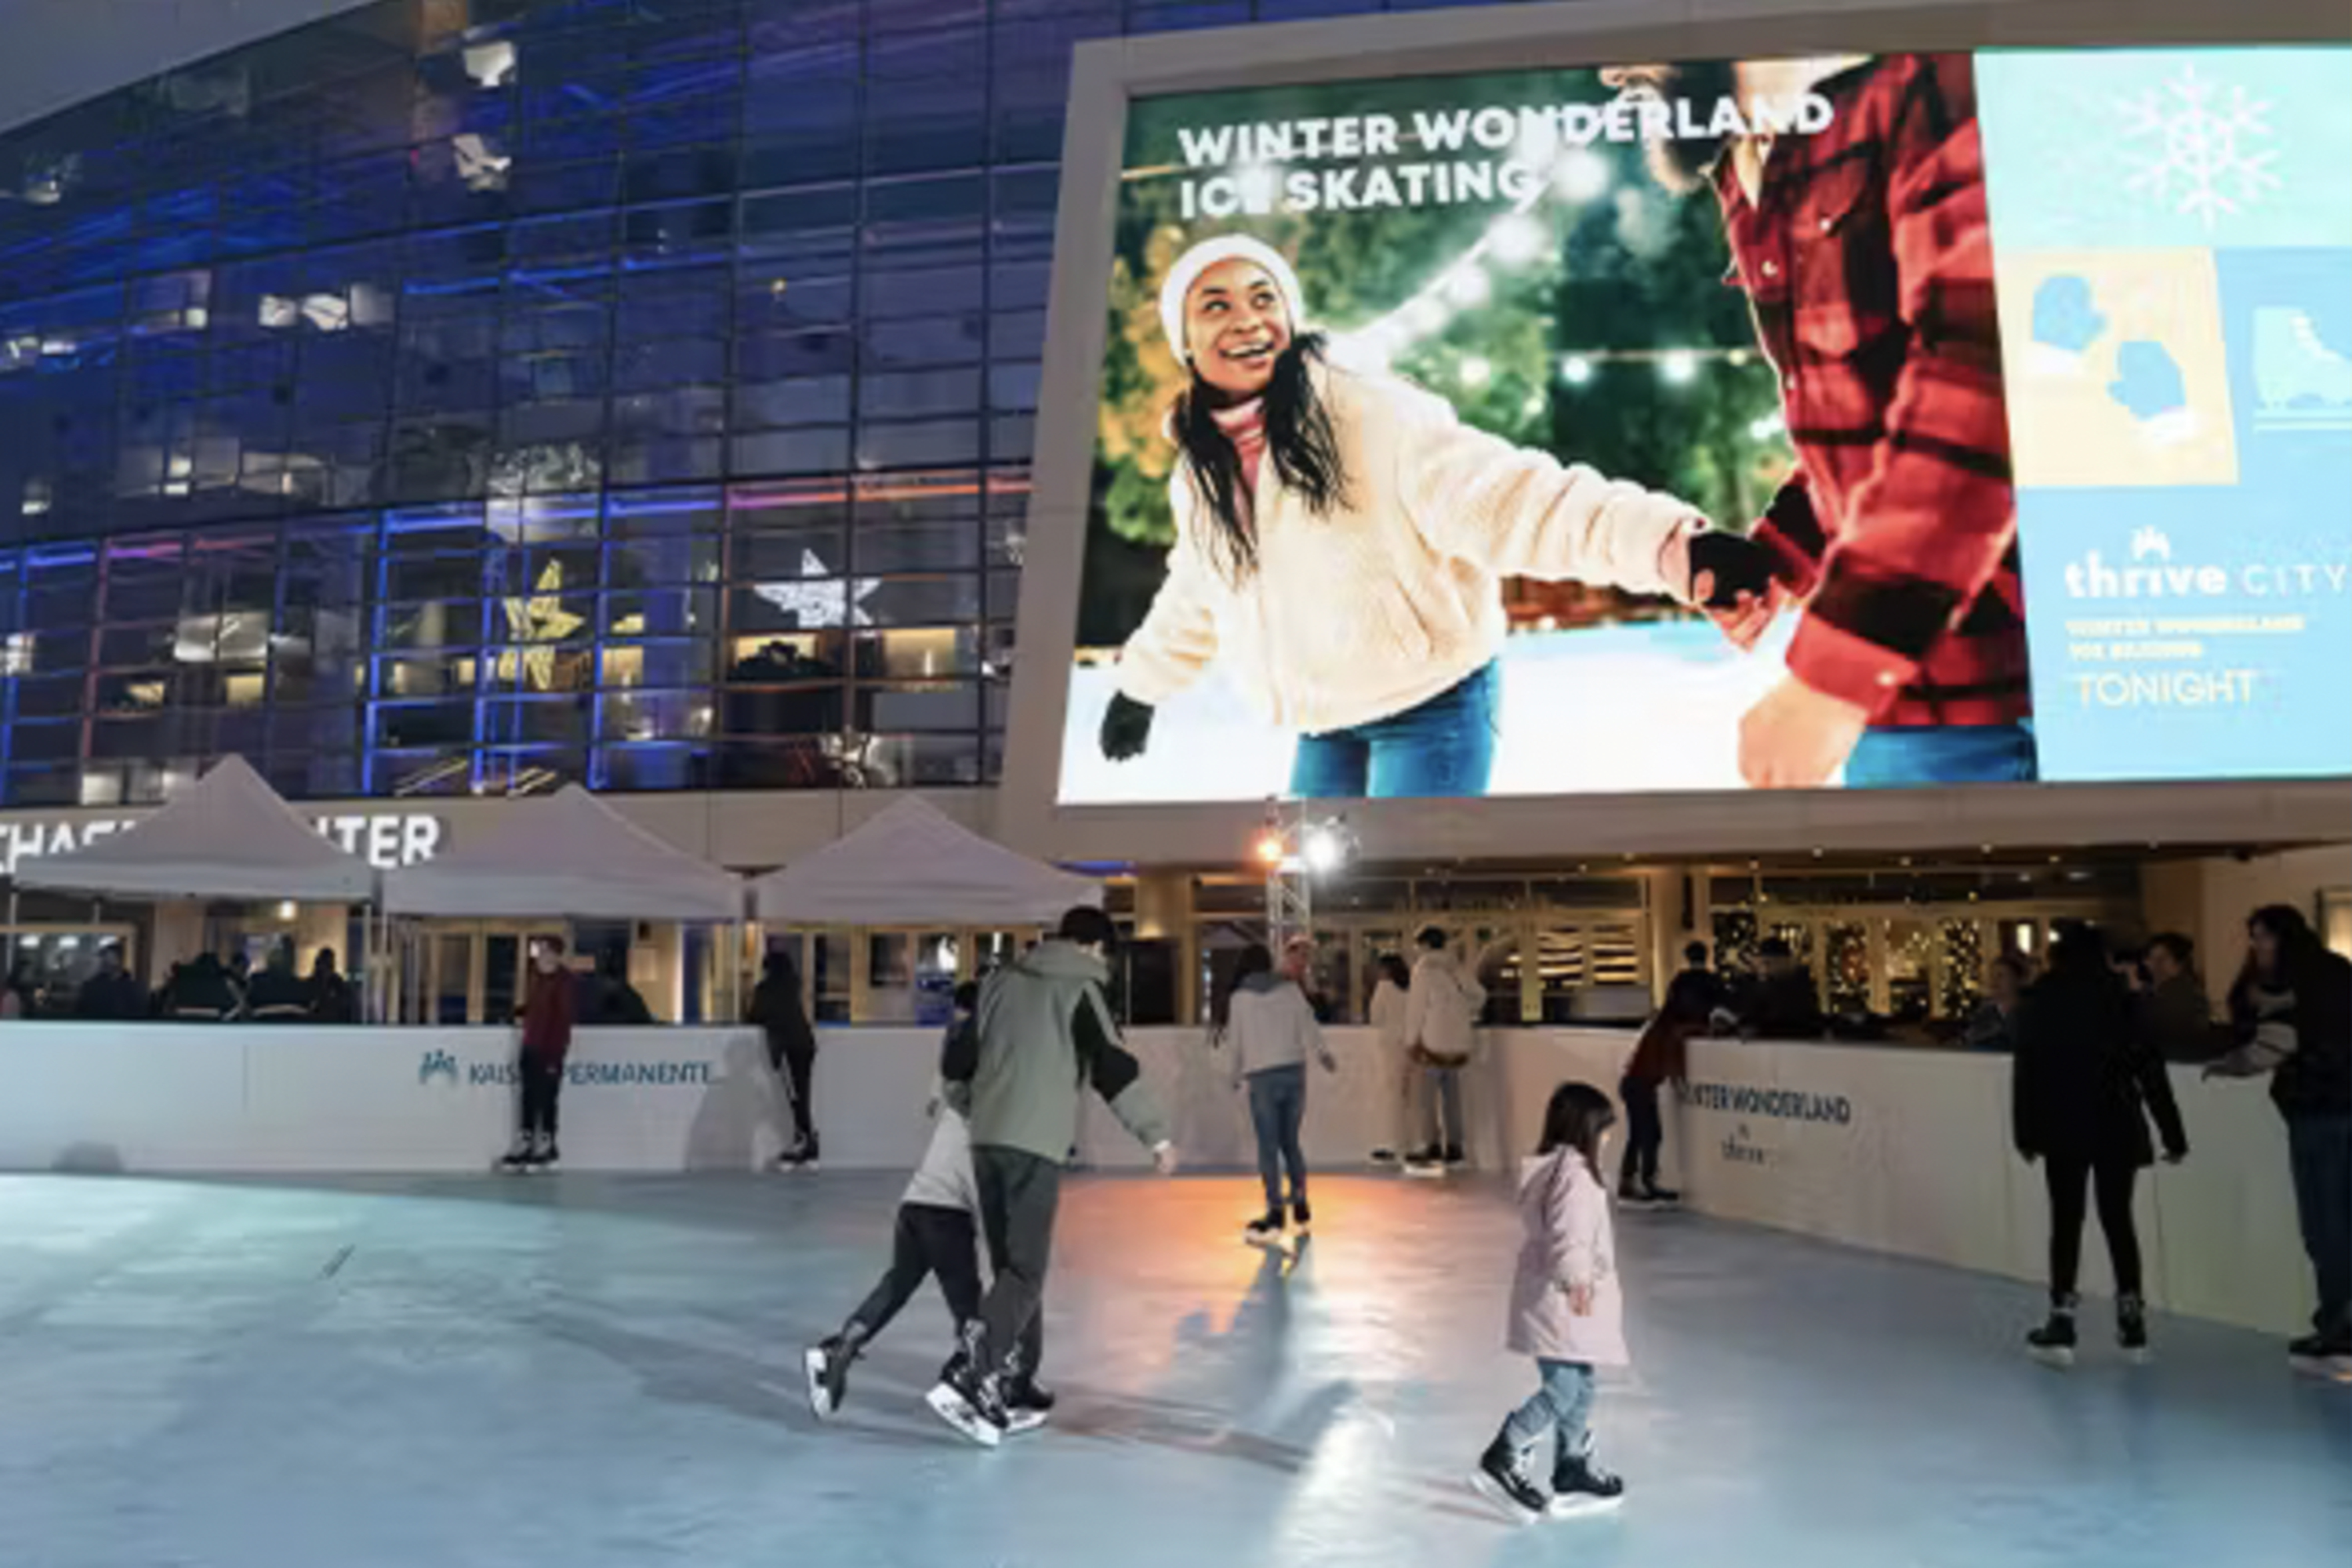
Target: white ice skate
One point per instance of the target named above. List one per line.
(953, 1408)
(2295, 375)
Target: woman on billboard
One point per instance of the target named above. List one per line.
(1342, 539)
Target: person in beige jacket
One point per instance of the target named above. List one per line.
(1342, 539)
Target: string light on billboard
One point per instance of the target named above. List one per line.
(1576, 370)
(1475, 371)
(1678, 368)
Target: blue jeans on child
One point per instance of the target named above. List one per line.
(1277, 1102)
(1561, 1404)
(1444, 747)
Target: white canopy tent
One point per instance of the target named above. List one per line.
(569, 854)
(914, 866)
(229, 836)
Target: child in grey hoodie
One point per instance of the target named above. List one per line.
(935, 1235)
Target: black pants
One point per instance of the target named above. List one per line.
(796, 1068)
(929, 1240)
(1019, 1193)
(1643, 1131)
(542, 1083)
(2113, 1179)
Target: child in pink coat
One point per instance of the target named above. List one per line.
(1567, 1310)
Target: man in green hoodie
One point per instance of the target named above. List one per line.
(1043, 1035)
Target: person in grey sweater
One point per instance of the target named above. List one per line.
(1271, 1028)
(1043, 1035)
(935, 1235)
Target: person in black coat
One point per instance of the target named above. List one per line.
(2084, 1084)
(791, 1048)
(608, 998)
(2292, 1008)
(111, 994)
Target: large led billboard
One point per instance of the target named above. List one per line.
(1868, 421)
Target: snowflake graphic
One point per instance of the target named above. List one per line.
(2190, 146)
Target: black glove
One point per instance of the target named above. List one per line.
(1740, 565)
(1126, 727)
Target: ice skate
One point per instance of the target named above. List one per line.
(1580, 1486)
(800, 1155)
(2053, 1345)
(1429, 1161)
(971, 1404)
(1028, 1404)
(516, 1162)
(2326, 1356)
(827, 1366)
(545, 1157)
(1266, 1230)
(1501, 1479)
(2294, 370)
(2131, 1330)
(1302, 1221)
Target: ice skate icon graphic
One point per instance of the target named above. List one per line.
(436, 1064)
(2299, 381)
(2151, 541)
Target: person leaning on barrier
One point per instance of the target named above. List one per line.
(110, 994)
(277, 995)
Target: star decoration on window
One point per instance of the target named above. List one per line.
(821, 606)
(540, 618)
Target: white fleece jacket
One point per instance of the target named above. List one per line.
(1395, 594)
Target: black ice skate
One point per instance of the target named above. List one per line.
(800, 1157)
(827, 1366)
(1301, 1220)
(1580, 1486)
(1501, 1479)
(1028, 1404)
(516, 1160)
(2323, 1356)
(1455, 1156)
(546, 1157)
(1266, 1230)
(2131, 1330)
(2053, 1345)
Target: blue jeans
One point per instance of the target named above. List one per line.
(1444, 747)
(1562, 1402)
(1277, 1102)
(1441, 1099)
(2319, 1152)
(1913, 756)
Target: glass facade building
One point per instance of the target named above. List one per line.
(472, 395)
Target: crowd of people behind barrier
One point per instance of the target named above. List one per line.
(204, 989)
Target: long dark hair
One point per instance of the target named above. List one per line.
(1300, 441)
(1576, 1118)
(2298, 944)
(1396, 970)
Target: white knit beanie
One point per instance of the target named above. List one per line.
(1207, 253)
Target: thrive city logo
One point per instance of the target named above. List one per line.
(2153, 572)
(436, 1064)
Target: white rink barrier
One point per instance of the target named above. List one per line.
(1898, 1151)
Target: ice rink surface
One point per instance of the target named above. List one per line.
(598, 1373)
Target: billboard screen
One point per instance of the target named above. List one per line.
(1863, 421)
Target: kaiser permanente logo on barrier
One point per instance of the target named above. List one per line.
(1746, 1100)
(439, 1064)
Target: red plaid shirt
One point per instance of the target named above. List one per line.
(1867, 258)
